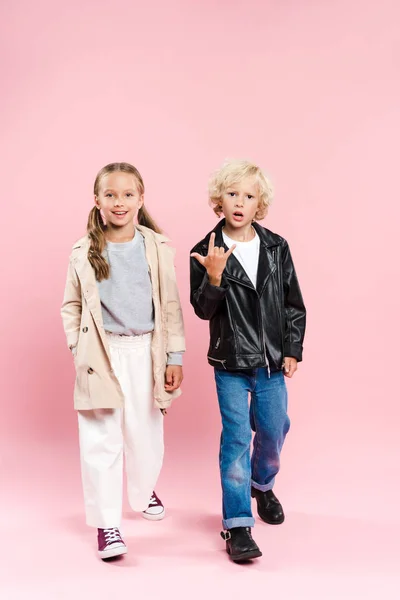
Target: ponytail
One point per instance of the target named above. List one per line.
(95, 229)
(145, 219)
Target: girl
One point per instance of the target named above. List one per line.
(123, 321)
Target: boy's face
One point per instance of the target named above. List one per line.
(240, 202)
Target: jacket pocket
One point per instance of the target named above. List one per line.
(82, 382)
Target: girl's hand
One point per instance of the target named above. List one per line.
(215, 261)
(290, 366)
(173, 377)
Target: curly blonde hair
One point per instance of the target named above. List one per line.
(233, 171)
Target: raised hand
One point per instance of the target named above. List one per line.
(215, 261)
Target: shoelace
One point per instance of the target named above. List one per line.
(112, 535)
(153, 500)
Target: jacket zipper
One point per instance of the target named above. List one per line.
(267, 364)
(262, 328)
(264, 345)
(265, 350)
(278, 308)
(217, 360)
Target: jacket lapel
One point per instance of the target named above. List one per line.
(266, 262)
(151, 253)
(89, 289)
(266, 267)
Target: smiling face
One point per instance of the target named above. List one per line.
(240, 202)
(119, 199)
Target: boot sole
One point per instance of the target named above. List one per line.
(272, 522)
(245, 556)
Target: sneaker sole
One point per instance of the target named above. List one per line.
(150, 517)
(113, 552)
(245, 556)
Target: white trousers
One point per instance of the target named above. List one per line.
(136, 431)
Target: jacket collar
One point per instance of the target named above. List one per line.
(147, 233)
(267, 237)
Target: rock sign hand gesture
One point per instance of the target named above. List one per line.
(215, 261)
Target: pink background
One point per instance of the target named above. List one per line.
(309, 90)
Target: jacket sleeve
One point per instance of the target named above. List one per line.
(175, 326)
(204, 297)
(71, 308)
(295, 311)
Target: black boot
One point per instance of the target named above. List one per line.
(240, 545)
(268, 507)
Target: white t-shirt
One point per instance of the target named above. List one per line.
(247, 254)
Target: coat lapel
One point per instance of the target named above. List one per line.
(90, 290)
(151, 254)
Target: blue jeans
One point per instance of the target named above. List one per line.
(267, 417)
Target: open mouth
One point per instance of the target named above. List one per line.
(238, 215)
(120, 213)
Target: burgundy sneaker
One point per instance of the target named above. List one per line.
(155, 511)
(110, 543)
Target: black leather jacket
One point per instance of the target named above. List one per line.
(251, 328)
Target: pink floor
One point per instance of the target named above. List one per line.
(47, 552)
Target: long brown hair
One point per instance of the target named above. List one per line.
(96, 228)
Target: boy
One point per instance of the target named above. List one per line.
(243, 281)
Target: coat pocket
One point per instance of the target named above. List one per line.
(82, 383)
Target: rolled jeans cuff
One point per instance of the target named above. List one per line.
(262, 488)
(238, 522)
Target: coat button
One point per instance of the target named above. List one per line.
(90, 370)
(85, 330)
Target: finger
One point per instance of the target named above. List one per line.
(168, 377)
(221, 251)
(198, 257)
(293, 368)
(290, 367)
(171, 388)
(231, 249)
(211, 243)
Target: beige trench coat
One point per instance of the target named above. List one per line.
(96, 385)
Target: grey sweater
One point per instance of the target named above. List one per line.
(126, 297)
